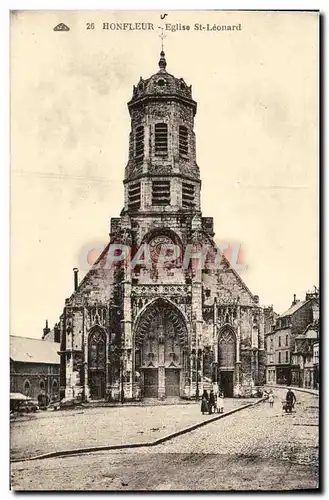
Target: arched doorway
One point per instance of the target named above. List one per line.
(226, 360)
(160, 339)
(97, 363)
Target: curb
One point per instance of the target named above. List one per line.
(80, 451)
(298, 389)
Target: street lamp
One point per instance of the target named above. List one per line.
(198, 355)
(122, 392)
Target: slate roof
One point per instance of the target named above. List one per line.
(293, 309)
(28, 350)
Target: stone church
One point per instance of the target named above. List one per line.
(138, 331)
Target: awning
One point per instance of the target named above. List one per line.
(17, 396)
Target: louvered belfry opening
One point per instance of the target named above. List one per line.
(183, 141)
(161, 139)
(134, 196)
(188, 195)
(139, 144)
(161, 193)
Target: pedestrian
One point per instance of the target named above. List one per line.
(204, 402)
(271, 399)
(290, 400)
(216, 403)
(221, 402)
(211, 401)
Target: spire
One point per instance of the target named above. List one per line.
(162, 62)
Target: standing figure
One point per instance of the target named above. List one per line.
(271, 399)
(290, 400)
(211, 401)
(221, 402)
(204, 402)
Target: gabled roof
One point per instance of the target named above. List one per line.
(293, 309)
(28, 350)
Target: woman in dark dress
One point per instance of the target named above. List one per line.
(211, 401)
(204, 402)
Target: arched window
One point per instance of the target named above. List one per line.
(42, 385)
(27, 387)
(226, 349)
(97, 353)
(161, 139)
(183, 140)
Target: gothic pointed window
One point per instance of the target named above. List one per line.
(161, 139)
(97, 355)
(183, 141)
(226, 350)
(139, 144)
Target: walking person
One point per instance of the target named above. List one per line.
(211, 401)
(271, 399)
(204, 402)
(221, 402)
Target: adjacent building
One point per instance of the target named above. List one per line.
(34, 368)
(289, 343)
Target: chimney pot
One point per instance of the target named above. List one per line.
(76, 280)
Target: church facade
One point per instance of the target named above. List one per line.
(154, 317)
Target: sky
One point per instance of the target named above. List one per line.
(256, 131)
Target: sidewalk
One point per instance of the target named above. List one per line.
(96, 427)
(315, 392)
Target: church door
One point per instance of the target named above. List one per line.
(172, 382)
(226, 361)
(226, 382)
(161, 336)
(151, 383)
(97, 364)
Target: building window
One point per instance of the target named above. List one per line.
(183, 141)
(226, 349)
(139, 144)
(42, 385)
(279, 341)
(160, 193)
(188, 195)
(286, 339)
(134, 196)
(271, 344)
(27, 386)
(287, 357)
(161, 139)
(279, 357)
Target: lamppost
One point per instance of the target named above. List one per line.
(122, 392)
(198, 366)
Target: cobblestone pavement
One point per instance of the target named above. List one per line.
(102, 426)
(259, 448)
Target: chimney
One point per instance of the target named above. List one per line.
(76, 280)
(46, 330)
(294, 301)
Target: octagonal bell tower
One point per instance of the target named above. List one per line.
(162, 174)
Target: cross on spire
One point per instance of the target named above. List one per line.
(162, 36)
(162, 62)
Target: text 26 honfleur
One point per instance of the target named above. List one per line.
(142, 26)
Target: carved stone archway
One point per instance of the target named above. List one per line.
(160, 343)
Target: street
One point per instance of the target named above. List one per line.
(258, 448)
